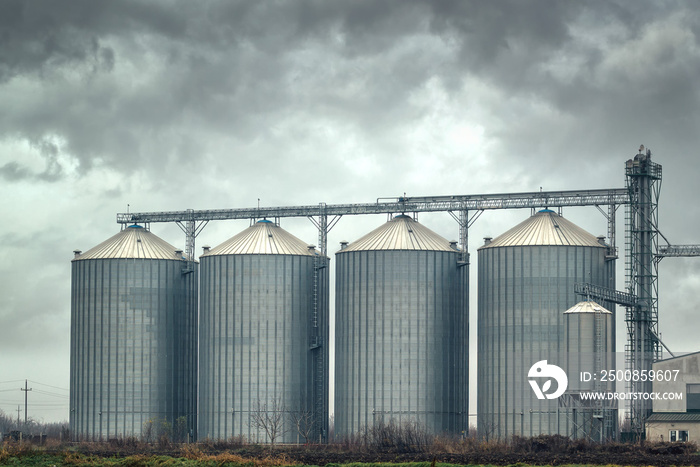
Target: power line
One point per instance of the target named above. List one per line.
(31, 405)
(47, 405)
(48, 385)
(46, 393)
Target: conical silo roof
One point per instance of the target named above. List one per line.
(545, 228)
(587, 306)
(133, 242)
(263, 238)
(400, 233)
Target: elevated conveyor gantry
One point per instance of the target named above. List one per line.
(643, 253)
(459, 206)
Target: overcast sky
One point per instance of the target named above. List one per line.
(175, 105)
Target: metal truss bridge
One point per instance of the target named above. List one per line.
(192, 221)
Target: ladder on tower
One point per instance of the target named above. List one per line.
(317, 348)
(599, 349)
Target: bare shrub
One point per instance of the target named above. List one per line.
(165, 433)
(191, 451)
(15, 449)
(128, 443)
(671, 448)
(408, 436)
(541, 443)
(237, 441)
(147, 431)
(180, 430)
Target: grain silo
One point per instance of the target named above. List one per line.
(589, 359)
(526, 281)
(263, 337)
(133, 363)
(401, 331)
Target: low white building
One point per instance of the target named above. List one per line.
(676, 415)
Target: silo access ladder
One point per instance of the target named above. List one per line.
(316, 346)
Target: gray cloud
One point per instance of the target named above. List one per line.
(13, 171)
(167, 106)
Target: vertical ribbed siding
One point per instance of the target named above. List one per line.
(401, 340)
(133, 346)
(523, 292)
(582, 347)
(255, 333)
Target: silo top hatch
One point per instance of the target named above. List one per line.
(545, 228)
(263, 238)
(134, 242)
(400, 233)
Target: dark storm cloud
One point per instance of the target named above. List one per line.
(137, 86)
(239, 65)
(239, 70)
(36, 37)
(12, 171)
(606, 69)
(486, 31)
(214, 104)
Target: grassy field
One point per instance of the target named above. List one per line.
(219, 460)
(35, 457)
(537, 451)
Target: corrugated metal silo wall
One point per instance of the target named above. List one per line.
(133, 348)
(590, 351)
(256, 329)
(522, 294)
(401, 340)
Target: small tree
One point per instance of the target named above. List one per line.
(487, 430)
(269, 417)
(180, 430)
(303, 420)
(147, 431)
(7, 423)
(165, 433)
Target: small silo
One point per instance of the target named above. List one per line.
(526, 281)
(401, 331)
(133, 362)
(590, 357)
(263, 337)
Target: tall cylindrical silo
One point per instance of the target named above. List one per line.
(263, 337)
(133, 363)
(526, 281)
(401, 331)
(590, 356)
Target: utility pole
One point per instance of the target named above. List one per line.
(26, 392)
(18, 411)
